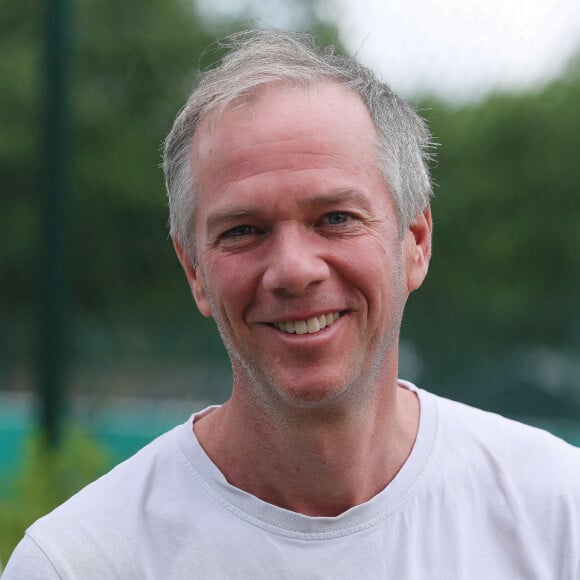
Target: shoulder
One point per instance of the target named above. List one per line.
(491, 429)
(97, 526)
(504, 490)
(29, 562)
(531, 459)
(136, 474)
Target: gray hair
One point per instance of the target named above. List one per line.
(258, 58)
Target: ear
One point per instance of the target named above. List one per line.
(194, 279)
(417, 249)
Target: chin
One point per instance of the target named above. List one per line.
(319, 398)
(276, 391)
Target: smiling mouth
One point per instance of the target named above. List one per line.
(310, 326)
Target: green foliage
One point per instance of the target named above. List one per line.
(505, 276)
(46, 478)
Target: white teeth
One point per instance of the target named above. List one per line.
(313, 325)
(301, 327)
(310, 326)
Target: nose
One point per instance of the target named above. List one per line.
(294, 262)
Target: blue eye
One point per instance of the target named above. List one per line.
(337, 217)
(240, 231)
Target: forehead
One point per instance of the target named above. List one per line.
(325, 117)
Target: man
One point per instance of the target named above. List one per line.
(299, 199)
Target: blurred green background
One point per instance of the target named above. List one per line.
(496, 324)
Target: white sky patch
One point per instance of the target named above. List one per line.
(459, 49)
(262, 13)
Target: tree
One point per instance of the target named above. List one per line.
(505, 276)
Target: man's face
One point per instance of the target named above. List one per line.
(299, 261)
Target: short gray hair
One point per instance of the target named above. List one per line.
(258, 58)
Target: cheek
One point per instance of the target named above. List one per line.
(379, 274)
(229, 285)
(378, 260)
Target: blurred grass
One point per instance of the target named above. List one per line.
(46, 478)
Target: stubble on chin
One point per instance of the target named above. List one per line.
(267, 398)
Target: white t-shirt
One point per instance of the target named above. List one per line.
(480, 497)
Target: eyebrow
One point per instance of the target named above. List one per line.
(348, 196)
(337, 197)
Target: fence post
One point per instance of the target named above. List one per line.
(54, 185)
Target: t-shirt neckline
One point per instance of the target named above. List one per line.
(286, 522)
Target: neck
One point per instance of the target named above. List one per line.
(311, 463)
